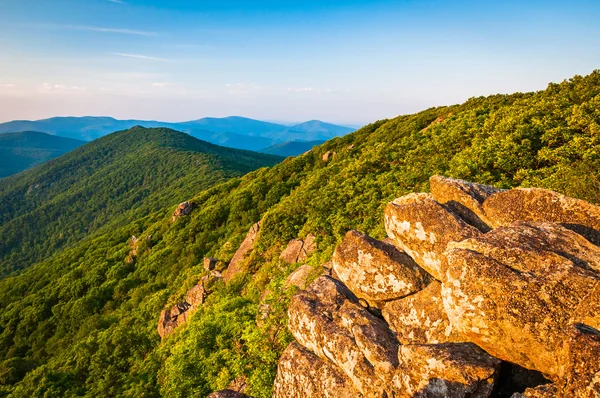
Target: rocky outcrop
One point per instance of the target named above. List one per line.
(327, 156)
(463, 198)
(299, 277)
(235, 265)
(302, 374)
(376, 271)
(171, 318)
(184, 209)
(516, 297)
(298, 250)
(420, 318)
(423, 228)
(327, 320)
(445, 370)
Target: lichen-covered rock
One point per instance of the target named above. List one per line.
(376, 271)
(444, 370)
(247, 245)
(534, 204)
(326, 319)
(420, 318)
(301, 374)
(464, 198)
(583, 370)
(299, 277)
(514, 294)
(183, 209)
(298, 250)
(423, 228)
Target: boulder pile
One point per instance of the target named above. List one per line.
(478, 292)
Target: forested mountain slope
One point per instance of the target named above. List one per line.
(20, 151)
(107, 183)
(83, 322)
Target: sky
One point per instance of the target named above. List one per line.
(350, 62)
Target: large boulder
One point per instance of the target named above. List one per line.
(301, 374)
(298, 250)
(583, 371)
(183, 209)
(420, 318)
(376, 271)
(464, 198)
(326, 319)
(247, 245)
(515, 290)
(445, 370)
(299, 277)
(534, 204)
(171, 318)
(423, 228)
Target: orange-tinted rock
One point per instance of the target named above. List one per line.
(301, 374)
(583, 370)
(375, 270)
(183, 209)
(464, 198)
(420, 318)
(327, 156)
(512, 294)
(326, 320)
(423, 228)
(299, 277)
(445, 370)
(534, 204)
(179, 314)
(235, 265)
(298, 250)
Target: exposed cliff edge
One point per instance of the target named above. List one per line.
(483, 292)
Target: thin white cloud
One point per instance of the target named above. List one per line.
(111, 30)
(144, 57)
(117, 1)
(60, 87)
(8, 85)
(237, 88)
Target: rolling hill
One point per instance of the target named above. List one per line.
(105, 184)
(235, 132)
(84, 321)
(292, 148)
(21, 151)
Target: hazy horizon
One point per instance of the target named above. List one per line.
(344, 62)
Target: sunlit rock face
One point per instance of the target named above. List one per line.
(477, 290)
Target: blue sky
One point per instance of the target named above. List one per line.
(340, 61)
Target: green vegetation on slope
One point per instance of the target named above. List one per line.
(84, 321)
(21, 151)
(106, 184)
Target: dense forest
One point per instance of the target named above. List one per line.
(21, 151)
(106, 184)
(82, 322)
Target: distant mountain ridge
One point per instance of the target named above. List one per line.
(23, 150)
(107, 183)
(233, 131)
